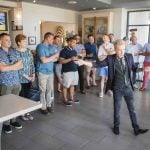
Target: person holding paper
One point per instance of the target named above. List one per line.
(46, 55)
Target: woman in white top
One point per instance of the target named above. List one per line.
(105, 49)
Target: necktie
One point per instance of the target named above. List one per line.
(123, 68)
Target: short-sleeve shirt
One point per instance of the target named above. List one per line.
(133, 49)
(44, 50)
(68, 53)
(79, 48)
(58, 48)
(101, 51)
(91, 49)
(9, 78)
(147, 49)
(28, 65)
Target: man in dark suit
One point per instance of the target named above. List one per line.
(119, 81)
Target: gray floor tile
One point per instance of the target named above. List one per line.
(87, 126)
(47, 141)
(71, 139)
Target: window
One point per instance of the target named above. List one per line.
(138, 22)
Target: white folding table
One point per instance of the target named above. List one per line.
(12, 106)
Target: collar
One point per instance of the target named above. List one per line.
(21, 49)
(69, 48)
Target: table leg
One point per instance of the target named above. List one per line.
(0, 133)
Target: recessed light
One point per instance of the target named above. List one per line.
(34, 1)
(105, 1)
(72, 2)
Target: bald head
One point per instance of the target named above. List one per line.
(134, 39)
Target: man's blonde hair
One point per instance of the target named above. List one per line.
(119, 42)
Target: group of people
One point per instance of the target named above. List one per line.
(17, 71)
(70, 64)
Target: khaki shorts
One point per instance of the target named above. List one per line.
(70, 78)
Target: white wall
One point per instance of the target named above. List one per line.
(33, 14)
(8, 3)
(123, 22)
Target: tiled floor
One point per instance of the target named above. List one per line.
(85, 126)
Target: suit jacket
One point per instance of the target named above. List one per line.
(110, 61)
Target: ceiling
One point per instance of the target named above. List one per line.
(85, 5)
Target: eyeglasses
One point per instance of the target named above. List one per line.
(9, 58)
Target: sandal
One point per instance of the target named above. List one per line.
(142, 89)
(29, 116)
(24, 118)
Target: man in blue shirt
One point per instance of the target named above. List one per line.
(68, 56)
(10, 63)
(46, 55)
(91, 55)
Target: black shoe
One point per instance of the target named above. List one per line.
(50, 109)
(116, 130)
(67, 103)
(88, 87)
(44, 111)
(82, 92)
(16, 125)
(70, 100)
(76, 101)
(7, 129)
(140, 131)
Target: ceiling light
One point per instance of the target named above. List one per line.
(105, 1)
(34, 1)
(94, 8)
(72, 2)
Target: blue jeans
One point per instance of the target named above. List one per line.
(127, 93)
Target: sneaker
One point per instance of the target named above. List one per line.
(76, 101)
(29, 116)
(94, 84)
(67, 103)
(50, 109)
(16, 125)
(44, 111)
(135, 86)
(70, 100)
(7, 129)
(24, 118)
(110, 93)
(101, 94)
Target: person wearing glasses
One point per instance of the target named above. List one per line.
(10, 63)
